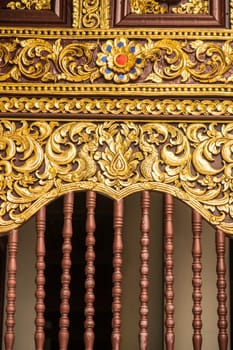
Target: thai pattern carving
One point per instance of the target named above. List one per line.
(106, 106)
(120, 60)
(147, 7)
(30, 5)
(39, 59)
(41, 160)
(91, 14)
(193, 7)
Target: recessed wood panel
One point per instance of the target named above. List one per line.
(184, 13)
(28, 13)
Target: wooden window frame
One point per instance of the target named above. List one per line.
(121, 17)
(57, 16)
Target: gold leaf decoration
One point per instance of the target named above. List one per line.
(30, 5)
(151, 61)
(147, 7)
(192, 7)
(41, 160)
(91, 14)
(124, 106)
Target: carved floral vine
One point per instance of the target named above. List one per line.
(30, 5)
(120, 60)
(40, 160)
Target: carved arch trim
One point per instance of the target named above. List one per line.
(41, 160)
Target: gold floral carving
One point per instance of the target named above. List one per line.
(39, 59)
(192, 7)
(147, 7)
(41, 160)
(153, 61)
(118, 107)
(30, 5)
(91, 14)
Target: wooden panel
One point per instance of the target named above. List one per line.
(122, 16)
(55, 15)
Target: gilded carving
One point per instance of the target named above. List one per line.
(30, 5)
(40, 160)
(40, 59)
(91, 14)
(193, 7)
(118, 107)
(120, 61)
(147, 7)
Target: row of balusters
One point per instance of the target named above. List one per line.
(89, 310)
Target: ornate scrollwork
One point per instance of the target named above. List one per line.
(40, 160)
(120, 60)
(192, 7)
(40, 59)
(147, 7)
(91, 14)
(30, 5)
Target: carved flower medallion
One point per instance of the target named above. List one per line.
(121, 60)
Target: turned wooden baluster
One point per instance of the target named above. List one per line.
(197, 280)
(144, 270)
(89, 335)
(221, 295)
(169, 277)
(11, 289)
(40, 278)
(117, 274)
(67, 233)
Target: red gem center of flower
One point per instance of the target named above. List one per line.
(121, 59)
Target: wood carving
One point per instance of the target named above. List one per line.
(92, 63)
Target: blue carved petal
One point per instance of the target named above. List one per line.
(138, 60)
(133, 70)
(109, 48)
(132, 49)
(107, 71)
(121, 76)
(120, 44)
(104, 59)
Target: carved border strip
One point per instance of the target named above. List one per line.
(87, 66)
(94, 107)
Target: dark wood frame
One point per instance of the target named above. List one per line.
(3, 255)
(121, 17)
(57, 16)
